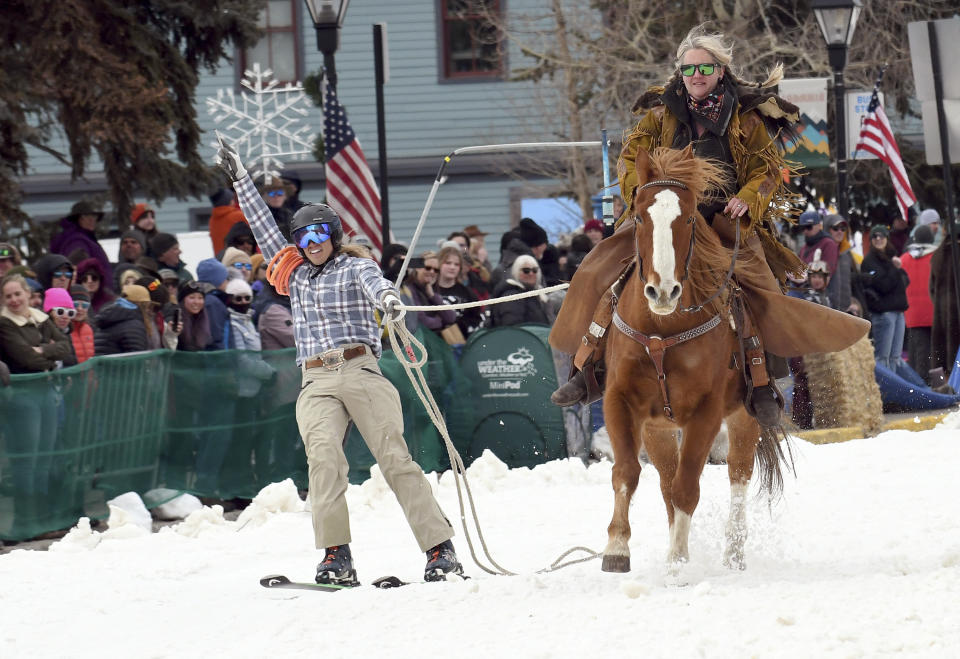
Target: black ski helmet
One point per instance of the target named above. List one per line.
(318, 214)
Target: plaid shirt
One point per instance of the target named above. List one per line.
(332, 306)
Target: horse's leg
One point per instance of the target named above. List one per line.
(743, 433)
(624, 440)
(663, 449)
(698, 436)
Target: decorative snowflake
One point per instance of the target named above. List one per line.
(264, 126)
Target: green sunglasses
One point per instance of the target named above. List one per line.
(706, 69)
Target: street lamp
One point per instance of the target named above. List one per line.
(327, 16)
(838, 20)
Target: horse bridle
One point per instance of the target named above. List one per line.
(693, 239)
(656, 346)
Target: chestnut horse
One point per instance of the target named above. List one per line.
(669, 358)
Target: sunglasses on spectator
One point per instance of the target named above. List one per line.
(63, 311)
(243, 241)
(839, 227)
(63, 273)
(90, 276)
(242, 298)
(312, 233)
(529, 271)
(276, 193)
(877, 235)
(430, 268)
(81, 304)
(243, 266)
(706, 69)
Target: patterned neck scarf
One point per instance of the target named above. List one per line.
(709, 108)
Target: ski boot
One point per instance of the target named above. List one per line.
(337, 567)
(441, 561)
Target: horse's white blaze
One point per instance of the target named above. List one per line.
(679, 535)
(663, 212)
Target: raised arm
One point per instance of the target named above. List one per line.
(254, 208)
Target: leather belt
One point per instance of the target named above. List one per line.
(334, 359)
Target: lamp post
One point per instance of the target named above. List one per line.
(327, 17)
(838, 20)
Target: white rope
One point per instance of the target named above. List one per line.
(488, 302)
(405, 345)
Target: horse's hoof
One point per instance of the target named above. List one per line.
(614, 563)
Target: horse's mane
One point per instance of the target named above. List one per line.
(711, 259)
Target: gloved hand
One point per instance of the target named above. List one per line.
(393, 307)
(229, 160)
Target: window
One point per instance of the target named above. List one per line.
(471, 40)
(279, 48)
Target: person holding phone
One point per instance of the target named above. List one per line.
(333, 295)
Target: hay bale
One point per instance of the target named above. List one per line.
(843, 389)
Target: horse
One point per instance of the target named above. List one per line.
(670, 361)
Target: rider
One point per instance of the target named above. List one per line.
(704, 104)
(333, 292)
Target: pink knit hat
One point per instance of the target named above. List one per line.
(56, 297)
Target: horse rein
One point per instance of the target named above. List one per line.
(656, 346)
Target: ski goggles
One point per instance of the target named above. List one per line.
(706, 69)
(312, 233)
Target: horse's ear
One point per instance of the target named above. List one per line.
(642, 163)
(688, 152)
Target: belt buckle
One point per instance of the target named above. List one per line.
(333, 359)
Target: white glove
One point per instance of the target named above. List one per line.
(393, 307)
(229, 160)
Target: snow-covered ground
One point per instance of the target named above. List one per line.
(860, 558)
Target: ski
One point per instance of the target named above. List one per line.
(280, 581)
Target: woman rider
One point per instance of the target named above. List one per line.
(706, 106)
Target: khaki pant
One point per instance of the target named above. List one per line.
(328, 400)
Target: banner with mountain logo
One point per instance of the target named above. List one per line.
(812, 149)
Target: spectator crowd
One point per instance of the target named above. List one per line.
(72, 304)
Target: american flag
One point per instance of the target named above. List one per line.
(876, 137)
(351, 189)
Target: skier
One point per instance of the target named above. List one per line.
(333, 293)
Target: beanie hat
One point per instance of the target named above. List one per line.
(239, 287)
(923, 235)
(256, 261)
(233, 255)
(593, 225)
(56, 297)
(188, 287)
(211, 271)
(79, 293)
(139, 211)
(161, 242)
(222, 197)
(8, 251)
(880, 230)
(155, 288)
(137, 235)
(929, 216)
(136, 293)
(34, 285)
(531, 233)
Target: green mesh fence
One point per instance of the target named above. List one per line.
(216, 424)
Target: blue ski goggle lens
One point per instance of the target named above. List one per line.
(313, 233)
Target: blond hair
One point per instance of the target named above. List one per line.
(721, 49)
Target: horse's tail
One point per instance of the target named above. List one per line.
(770, 456)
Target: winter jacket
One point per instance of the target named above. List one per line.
(222, 220)
(47, 264)
(415, 296)
(251, 369)
(81, 335)
(469, 320)
(215, 304)
(119, 329)
(104, 294)
(916, 263)
(884, 284)
(73, 238)
(827, 247)
(517, 312)
(19, 335)
(945, 331)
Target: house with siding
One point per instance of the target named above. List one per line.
(446, 90)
